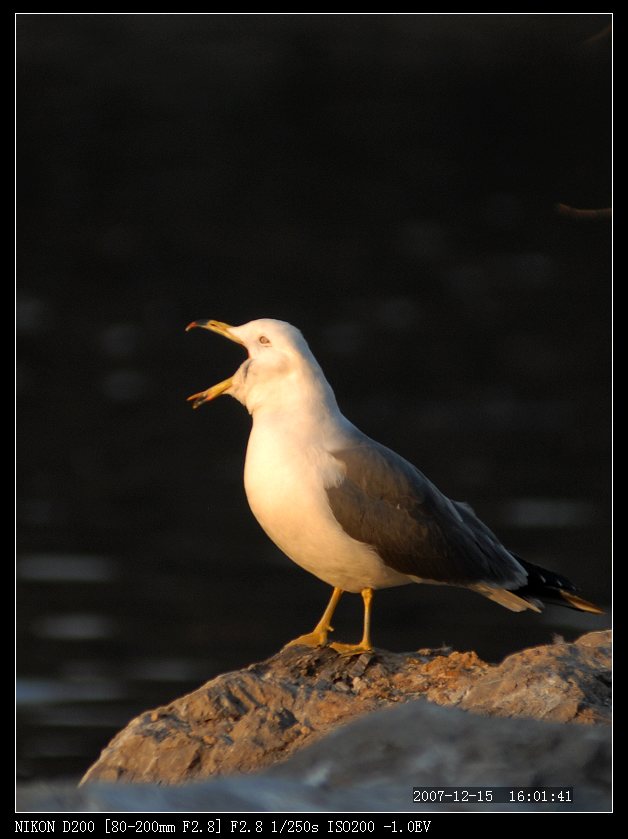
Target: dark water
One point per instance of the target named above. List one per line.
(387, 184)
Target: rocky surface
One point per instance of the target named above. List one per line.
(251, 719)
(371, 765)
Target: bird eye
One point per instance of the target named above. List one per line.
(263, 339)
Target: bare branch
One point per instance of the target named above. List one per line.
(601, 35)
(574, 212)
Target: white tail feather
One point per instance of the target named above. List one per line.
(507, 598)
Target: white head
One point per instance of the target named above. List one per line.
(280, 370)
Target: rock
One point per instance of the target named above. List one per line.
(562, 683)
(254, 718)
(388, 752)
(372, 763)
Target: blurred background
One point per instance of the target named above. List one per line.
(386, 183)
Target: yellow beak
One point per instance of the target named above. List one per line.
(215, 326)
(198, 399)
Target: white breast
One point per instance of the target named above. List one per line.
(285, 476)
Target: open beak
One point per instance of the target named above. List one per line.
(215, 326)
(198, 399)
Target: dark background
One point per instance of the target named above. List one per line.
(387, 184)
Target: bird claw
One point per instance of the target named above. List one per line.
(351, 649)
(311, 639)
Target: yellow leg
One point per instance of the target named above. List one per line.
(365, 645)
(318, 636)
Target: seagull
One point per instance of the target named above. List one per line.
(346, 508)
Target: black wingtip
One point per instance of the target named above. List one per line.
(553, 588)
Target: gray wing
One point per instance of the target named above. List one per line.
(387, 503)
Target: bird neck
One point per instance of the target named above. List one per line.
(303, 399)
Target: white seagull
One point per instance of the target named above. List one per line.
(349, 510)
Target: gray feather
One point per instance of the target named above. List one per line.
(387, 503)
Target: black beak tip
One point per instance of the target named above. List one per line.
(195, 323)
